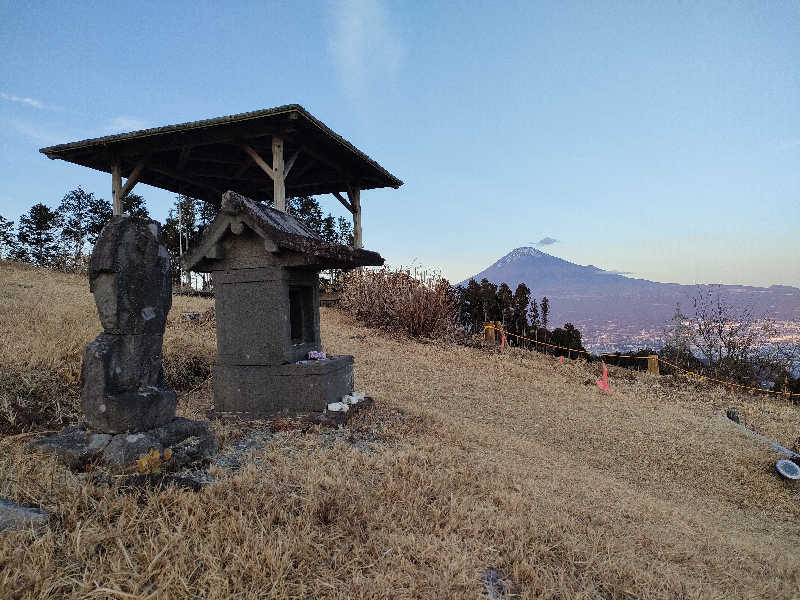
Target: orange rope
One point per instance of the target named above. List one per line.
(738, 385)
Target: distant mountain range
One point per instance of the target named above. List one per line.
(618, 312)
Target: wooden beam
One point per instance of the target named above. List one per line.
(298, 172)
(183, 157)
(259, 161)
(185, 177)
(290, 164)
(279, 186)
(354, 194)
(346, 204)
(116, 185)
(323, 160)
(243, 168)
(132, 179)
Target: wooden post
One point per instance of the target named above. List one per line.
(489, 333)
(278, 184)
(354, 194)
(652, 365)
(116, 186)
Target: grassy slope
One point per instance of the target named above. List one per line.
(482, 460)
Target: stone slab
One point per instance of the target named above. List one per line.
(189, 441)
(291, 389)
(75, 446)
(14, 516)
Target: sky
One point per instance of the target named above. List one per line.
(661, 140)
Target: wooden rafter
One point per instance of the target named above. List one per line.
(185, 177)
(185, 151)
(290, 164)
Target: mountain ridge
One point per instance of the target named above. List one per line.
(607, 305)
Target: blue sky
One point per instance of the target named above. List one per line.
(652, 138)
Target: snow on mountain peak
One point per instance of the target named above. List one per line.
(520, 253)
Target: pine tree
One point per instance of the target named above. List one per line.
(75, 214)
(38, 236)
(545, 311)
(135, 206)
(8, 242)
(491, 308)
(505, 300)
(344, 231)
(98, 214)
(522, 296)
(533, 314)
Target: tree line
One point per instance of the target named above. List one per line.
(478, 303)
(62, 237)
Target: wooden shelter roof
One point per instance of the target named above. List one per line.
(202, 159)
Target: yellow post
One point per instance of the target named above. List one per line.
(652, 365)
(489, 333)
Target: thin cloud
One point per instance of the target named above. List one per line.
(363, 44)
(124, 124)
(546, 241)
(33, 131)
(32, 102)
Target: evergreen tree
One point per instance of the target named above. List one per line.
(135, 206)
(505, 300)
(533, 314)
(38, 236)
(491, 308)
(344, 230)
(545, 311)
(76, 219)
(522, 296)
(98, 214)
(8, 242)
(307, 210)
(328, 230)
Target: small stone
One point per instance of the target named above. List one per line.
(14, 516)
(188, 441)
(75, 446)
(126, 448)
(733, 415)
(190, 316)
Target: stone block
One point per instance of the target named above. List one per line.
(122, 363)
(139, 410)
(267, 391)
(190, 441)
(14, 516)
(129, 275)
(75, 446)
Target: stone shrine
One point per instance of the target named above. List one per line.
(265, 266)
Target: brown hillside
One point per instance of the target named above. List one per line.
(469, 460)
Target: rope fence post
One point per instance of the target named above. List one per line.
(652, 365)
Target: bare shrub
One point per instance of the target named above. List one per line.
(419, 304)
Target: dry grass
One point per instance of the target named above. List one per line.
(509, 461)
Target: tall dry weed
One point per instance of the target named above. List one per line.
(418, 303)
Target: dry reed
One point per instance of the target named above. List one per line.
(419, 304)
